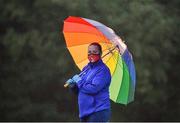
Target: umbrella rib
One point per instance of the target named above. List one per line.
(102, 41)
(108, 59)
(116, 64)
(85, 44)
(86, 32)
(114, 72)
(82, 24)
(104, 36)
(110, 51)
(112, 55)
(86, 58)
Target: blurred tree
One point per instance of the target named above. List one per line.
(34, 61)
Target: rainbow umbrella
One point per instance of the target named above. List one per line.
(80, 32)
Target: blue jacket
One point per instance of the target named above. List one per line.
(93, 89)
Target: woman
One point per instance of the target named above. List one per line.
(93, 88)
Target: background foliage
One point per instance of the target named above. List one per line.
(35, 63)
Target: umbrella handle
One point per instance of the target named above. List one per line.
(66, 85)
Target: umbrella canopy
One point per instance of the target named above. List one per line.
(80, 32)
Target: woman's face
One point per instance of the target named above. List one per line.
(93, 53)
(93, 49)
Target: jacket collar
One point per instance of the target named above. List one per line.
(97, 63)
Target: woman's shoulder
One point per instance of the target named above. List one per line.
(105, 68)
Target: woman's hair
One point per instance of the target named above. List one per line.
(98, 45)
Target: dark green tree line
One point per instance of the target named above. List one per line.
(35, 63)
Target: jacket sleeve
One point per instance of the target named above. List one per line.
(100, 80)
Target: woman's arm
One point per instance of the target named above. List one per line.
(100, 80)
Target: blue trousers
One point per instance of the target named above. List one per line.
(100, 116)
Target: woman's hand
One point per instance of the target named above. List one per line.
(76, 78)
